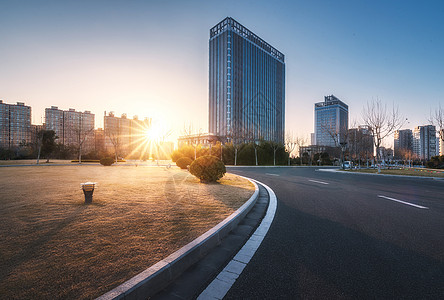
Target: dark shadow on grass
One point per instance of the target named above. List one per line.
(28, 252)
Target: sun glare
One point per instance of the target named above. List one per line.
(156, 131)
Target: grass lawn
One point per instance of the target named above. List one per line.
(55, 246)
(34, 162)
(406, 172)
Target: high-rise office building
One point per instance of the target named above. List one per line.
(15, 124)
(246, 85)
(424, 142)
(331, 122)
(403, 143)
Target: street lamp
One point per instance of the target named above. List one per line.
(343, 146)
(88, 190)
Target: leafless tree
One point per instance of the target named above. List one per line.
(82, 132)
(194, 137)
(339, 136)
(114, 138)
(237, 139)
(437, 119)
(407, 155)
(300, 141)
(275, 146)
(290, 145)
(253, 136)
(162, 138)
(381, 122)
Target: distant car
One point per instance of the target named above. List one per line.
(347, 165)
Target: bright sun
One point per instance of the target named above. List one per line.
(155, 132)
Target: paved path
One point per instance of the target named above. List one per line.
(347, 236)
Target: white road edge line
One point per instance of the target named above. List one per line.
(403, 202)
(223, 282)
(321, 182)
(272, 174)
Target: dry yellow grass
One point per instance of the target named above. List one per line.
(55, 246)
(34, 162)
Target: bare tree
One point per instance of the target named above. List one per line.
(339, 135)
(300, 141)
(253, 137)
(381, 122)
(82, 132)
(437, 119)
(162, 138)
(194, 137)
(114, 138)
(407, 155)
(237, 140)
(275, 146)
(290, 145)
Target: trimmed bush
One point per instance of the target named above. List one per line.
(184, 162)
(176, 155)
(107, 161)
(208, 168)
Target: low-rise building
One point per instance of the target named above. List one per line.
(204, 139)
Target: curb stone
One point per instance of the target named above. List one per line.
(160, 275)
(374, 174)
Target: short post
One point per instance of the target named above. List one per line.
(88, 190)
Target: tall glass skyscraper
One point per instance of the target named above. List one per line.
(331, 122)
(247, 85)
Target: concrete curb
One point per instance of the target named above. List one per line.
(231, 166)
(158, 276)
(373, 174)
(223, 282)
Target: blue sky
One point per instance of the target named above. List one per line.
(150, 58)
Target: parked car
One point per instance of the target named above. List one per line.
(347, 165)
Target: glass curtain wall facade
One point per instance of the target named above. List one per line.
(331, 122)
(246, 85)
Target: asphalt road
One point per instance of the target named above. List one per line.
(347, 236)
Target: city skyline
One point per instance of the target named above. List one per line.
(119, 57)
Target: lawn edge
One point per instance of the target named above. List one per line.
(158, 276)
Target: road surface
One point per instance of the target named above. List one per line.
(347, 236)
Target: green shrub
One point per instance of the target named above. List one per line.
(208, 168)
(184, 162)
(176, 155)
(107, 161)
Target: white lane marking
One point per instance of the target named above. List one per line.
(272, 174)
(220, 286)
(403, 202)
(321, 182)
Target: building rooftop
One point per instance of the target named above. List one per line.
(230, 24)
(330, 100)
